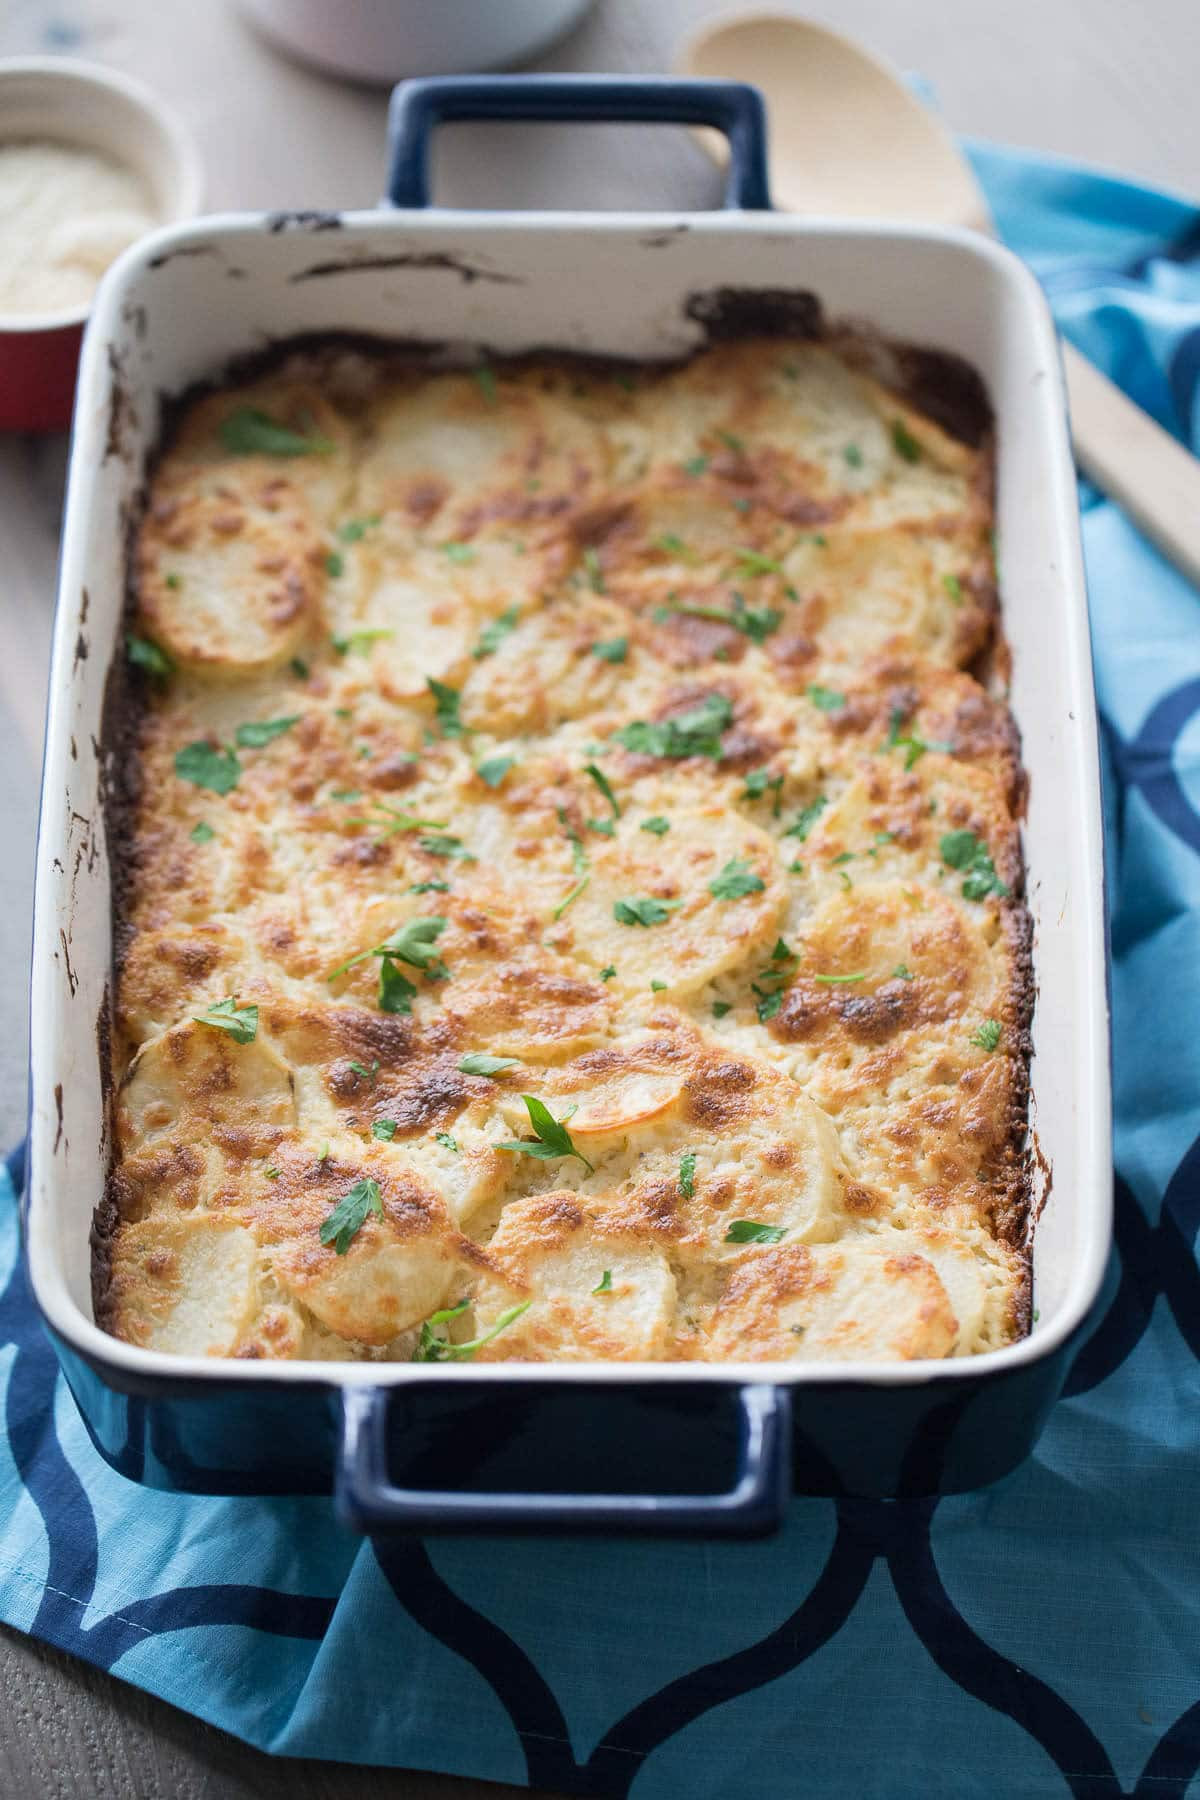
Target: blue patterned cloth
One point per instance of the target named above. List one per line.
(1041, 1637)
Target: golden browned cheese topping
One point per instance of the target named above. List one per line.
(571, 904)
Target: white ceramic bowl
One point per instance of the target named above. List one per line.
(385, 40)
(51, 97)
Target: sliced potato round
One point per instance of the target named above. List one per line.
(194, 1080)
(187, 1284)
(552, 1252)
(858, 1301)
(692, 934)
(546, 669)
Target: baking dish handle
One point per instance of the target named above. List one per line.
(733, 107)
(368, 1500)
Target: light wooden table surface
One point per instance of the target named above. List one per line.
(1101, 80)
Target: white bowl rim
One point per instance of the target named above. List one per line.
(189, 178)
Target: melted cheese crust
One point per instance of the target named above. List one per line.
(653, 689)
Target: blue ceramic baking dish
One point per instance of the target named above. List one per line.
(642, 1447)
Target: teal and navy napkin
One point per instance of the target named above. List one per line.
(1041, 1637)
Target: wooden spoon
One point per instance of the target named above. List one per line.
(849, 138)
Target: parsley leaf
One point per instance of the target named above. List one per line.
(687, 1174)
(695, 465)
(495, 769)
(602, 782)
(841, 980)
(445, 844)
(752, 562)
(749, 1231)
(458, 553)
(430, 887)
(396, 991)
(385, 1130)
(432, 1348)
(202, 833)
(412, 943)
(658, 825)
(370, 1075)
(911, 741)
(611, 650)
(604, 1286)
(853, 456)
(768, 1005)
(446, 701)
(593, 570)
(644, 911)
(146, 655)
(963, 850)
(721, 1007)
(953, 587)
(826, 699)
(335, 564)
(343, 643)
(905, 443)
(495, 632)
(736, 880)
(251, 432)
(446, 1141)
(486, 383)
(987, 1036)
(478, 1062)
(241, 1022)
(553, 1138)
(354, 529)
(694, 733)
(760, 782)
(902, 972)
(607, 973)
(807, 818)
(255, 735)
(350, 1214)
(205, 765)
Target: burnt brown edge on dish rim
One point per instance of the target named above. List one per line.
(936, 383)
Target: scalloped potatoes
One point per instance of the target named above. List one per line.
(573, 904)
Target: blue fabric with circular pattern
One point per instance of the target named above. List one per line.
(1041, 1637)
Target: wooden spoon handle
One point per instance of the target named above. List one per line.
(1135, 462)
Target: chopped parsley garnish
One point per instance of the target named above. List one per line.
(146, 655)
(694, 733)
(658, 825)
(841, 980)
(478, 1062)
(687, 1174)
(751, 562)
(721, 1007)
(432, 1348)
(446, 702)
(241, 1022)
(202, 833)
(263, 731)
(807, 818)
(486, 382)
(396, 991)
(385, 1130)
(430, 887)
(412, 943)
(335, 564)
(445, 844)
(345, 642)
(250, 432)
(749, 1231)
(446, 1141)
(553, 1138)
(605, 827)
(299, 668)
(905, 443)
(495, 632)
(911, 742)
(370, 1075)
(760, 782)
(769, 986)
(756, 623)
(845, 857)
(670, 544)
(731, 441)
(354, 529)
(963, 850)
(595, 574)
(695, 465)
(495, 769)
(768, 1005)
(173, 581)
(853, 456)
(644, 910)
(272, 1174)
(953, 587)
(611, 650)
(388, 820)
(350, 1214)
(458, 553)
(206, 765)
(902, 972)
(826, 699)
(736, 880)
(602, 782)
(345, 794)
(604, 1285)
(987, 1036)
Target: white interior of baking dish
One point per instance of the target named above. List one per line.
(178, 307)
